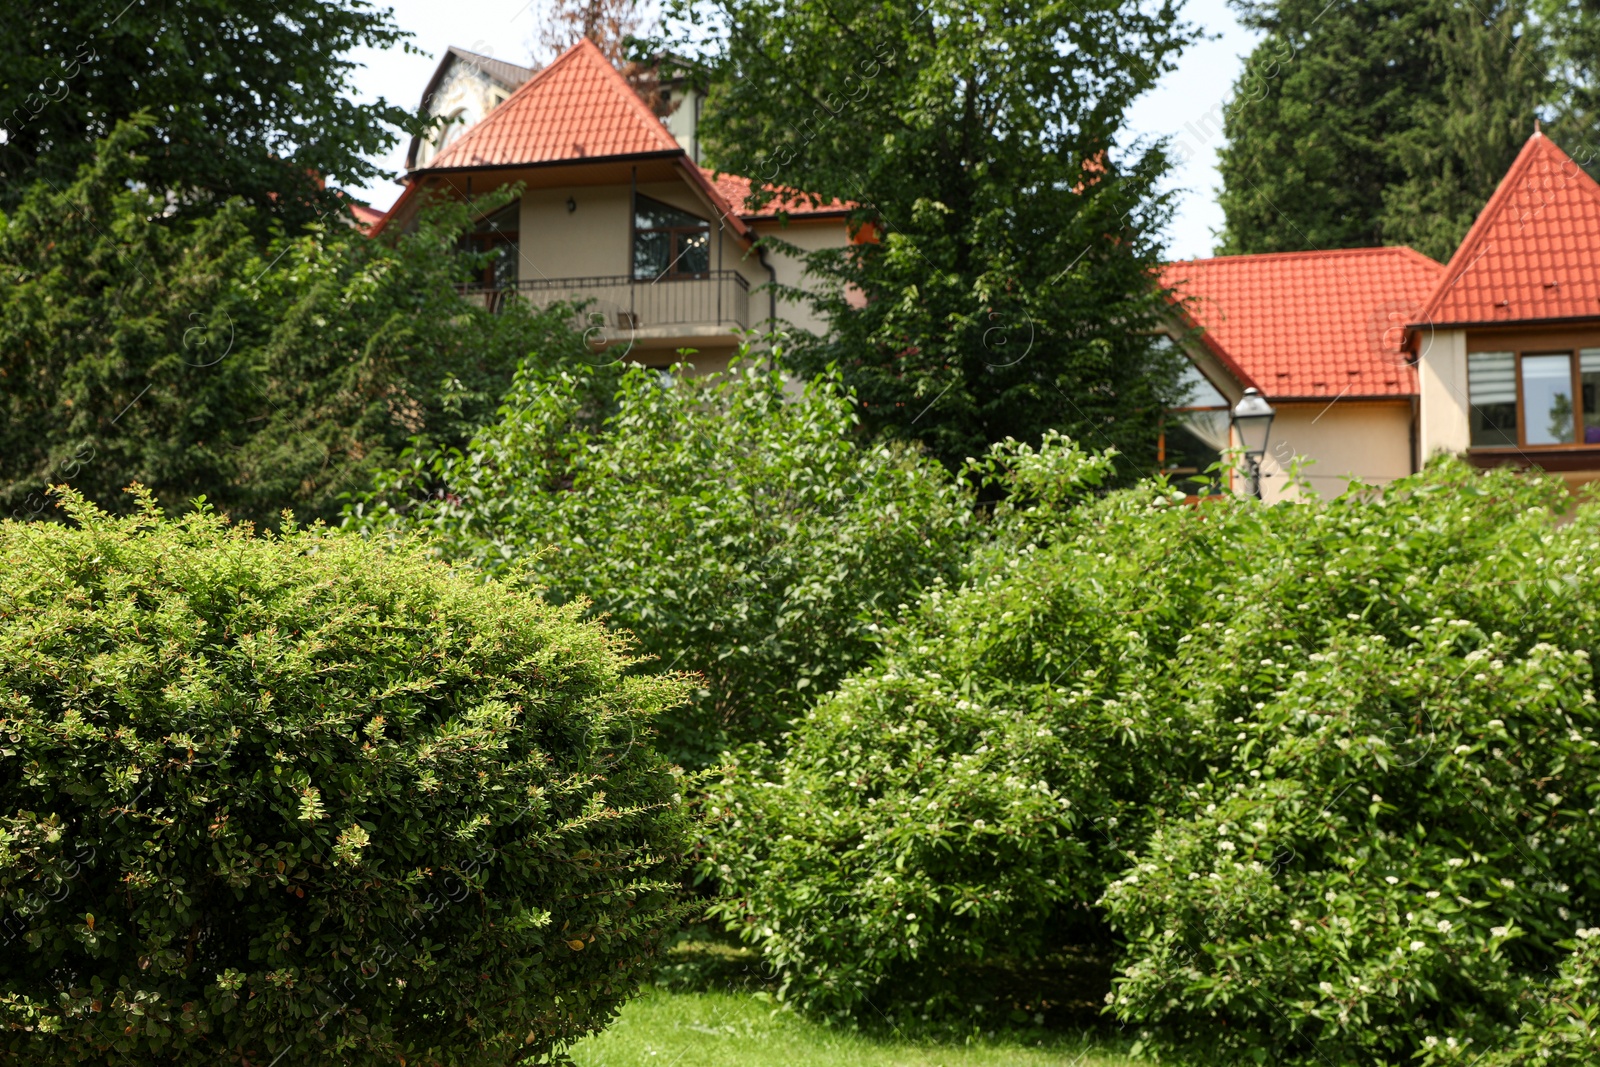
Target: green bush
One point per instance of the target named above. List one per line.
(302, 799)
(737, 527)
(1558, 1020)
(1327, 770)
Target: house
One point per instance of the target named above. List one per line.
(1322, 336)
(1377, 359)
(616, 211)
(1508, 347)
(464, 88)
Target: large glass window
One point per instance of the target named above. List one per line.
(1589, 393)
(1194, 434)
(1534, 399)
(497, 234)
(668, 242)
(1492, 392)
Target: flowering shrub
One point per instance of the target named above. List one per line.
(1558, 1019)
(303, 800)
(1327, 770)
(734, 527)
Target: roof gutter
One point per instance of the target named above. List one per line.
(627, 157)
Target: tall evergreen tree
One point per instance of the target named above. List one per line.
(1005, 289)
(1369, 122)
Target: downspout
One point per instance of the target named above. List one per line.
(633, 245)
(1416, 437)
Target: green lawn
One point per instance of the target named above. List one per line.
(663, 1029)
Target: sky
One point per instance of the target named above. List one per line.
(1186, 105)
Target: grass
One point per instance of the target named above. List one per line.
(741, 1029)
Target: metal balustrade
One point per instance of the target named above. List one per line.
(621, 304)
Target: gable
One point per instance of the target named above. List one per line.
(578, 108)
(1534, 251)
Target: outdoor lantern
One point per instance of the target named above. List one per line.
(1252, 421)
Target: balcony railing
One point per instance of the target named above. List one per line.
(621, 305)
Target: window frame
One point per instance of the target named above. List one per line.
(675, 253)
(1574, 355)
(1188, 486)
(487, 236)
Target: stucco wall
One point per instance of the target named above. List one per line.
(790, 270)
(1368, 439)
(1442, 370)
(587, 242)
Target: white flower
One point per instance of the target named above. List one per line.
(1463, 749)
(1444, 926)
(1497, 931)
(1552, 798)
(1226, 846)
(1432, 894)
(1326, 987)
(1111, 998)
(1417, 946)
(1585, 934)
(1508, 883)
(1430, 1041)
(1455, 861)
(1496, 723)
(1392, 880)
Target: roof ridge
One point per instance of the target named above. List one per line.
(1473, 246)
(1326, 253)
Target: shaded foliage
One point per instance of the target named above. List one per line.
(178, 352)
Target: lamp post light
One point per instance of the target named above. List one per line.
(1252, 421)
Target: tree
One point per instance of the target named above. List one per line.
(1002, 287)
(610, 24)
(249, 100)
(177, 352)
(736, 529)
(1374, 122)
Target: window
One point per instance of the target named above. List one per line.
(669, 243)
(497, 234)
(1194, 434)
(1534, 399)
(454, 127)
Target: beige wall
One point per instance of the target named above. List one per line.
(1370, 440)
(1442, 373)
(790, 270)
(589, 241)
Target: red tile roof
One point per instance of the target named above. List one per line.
(736, 191)
(1533, 253)
(579, 107)
(1309, 324)
(365, 216)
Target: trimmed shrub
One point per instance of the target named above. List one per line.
(304, 799)
(1327, 770)
(737, 527)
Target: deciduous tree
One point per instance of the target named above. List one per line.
(1003, 287)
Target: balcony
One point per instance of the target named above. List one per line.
(619, 309)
